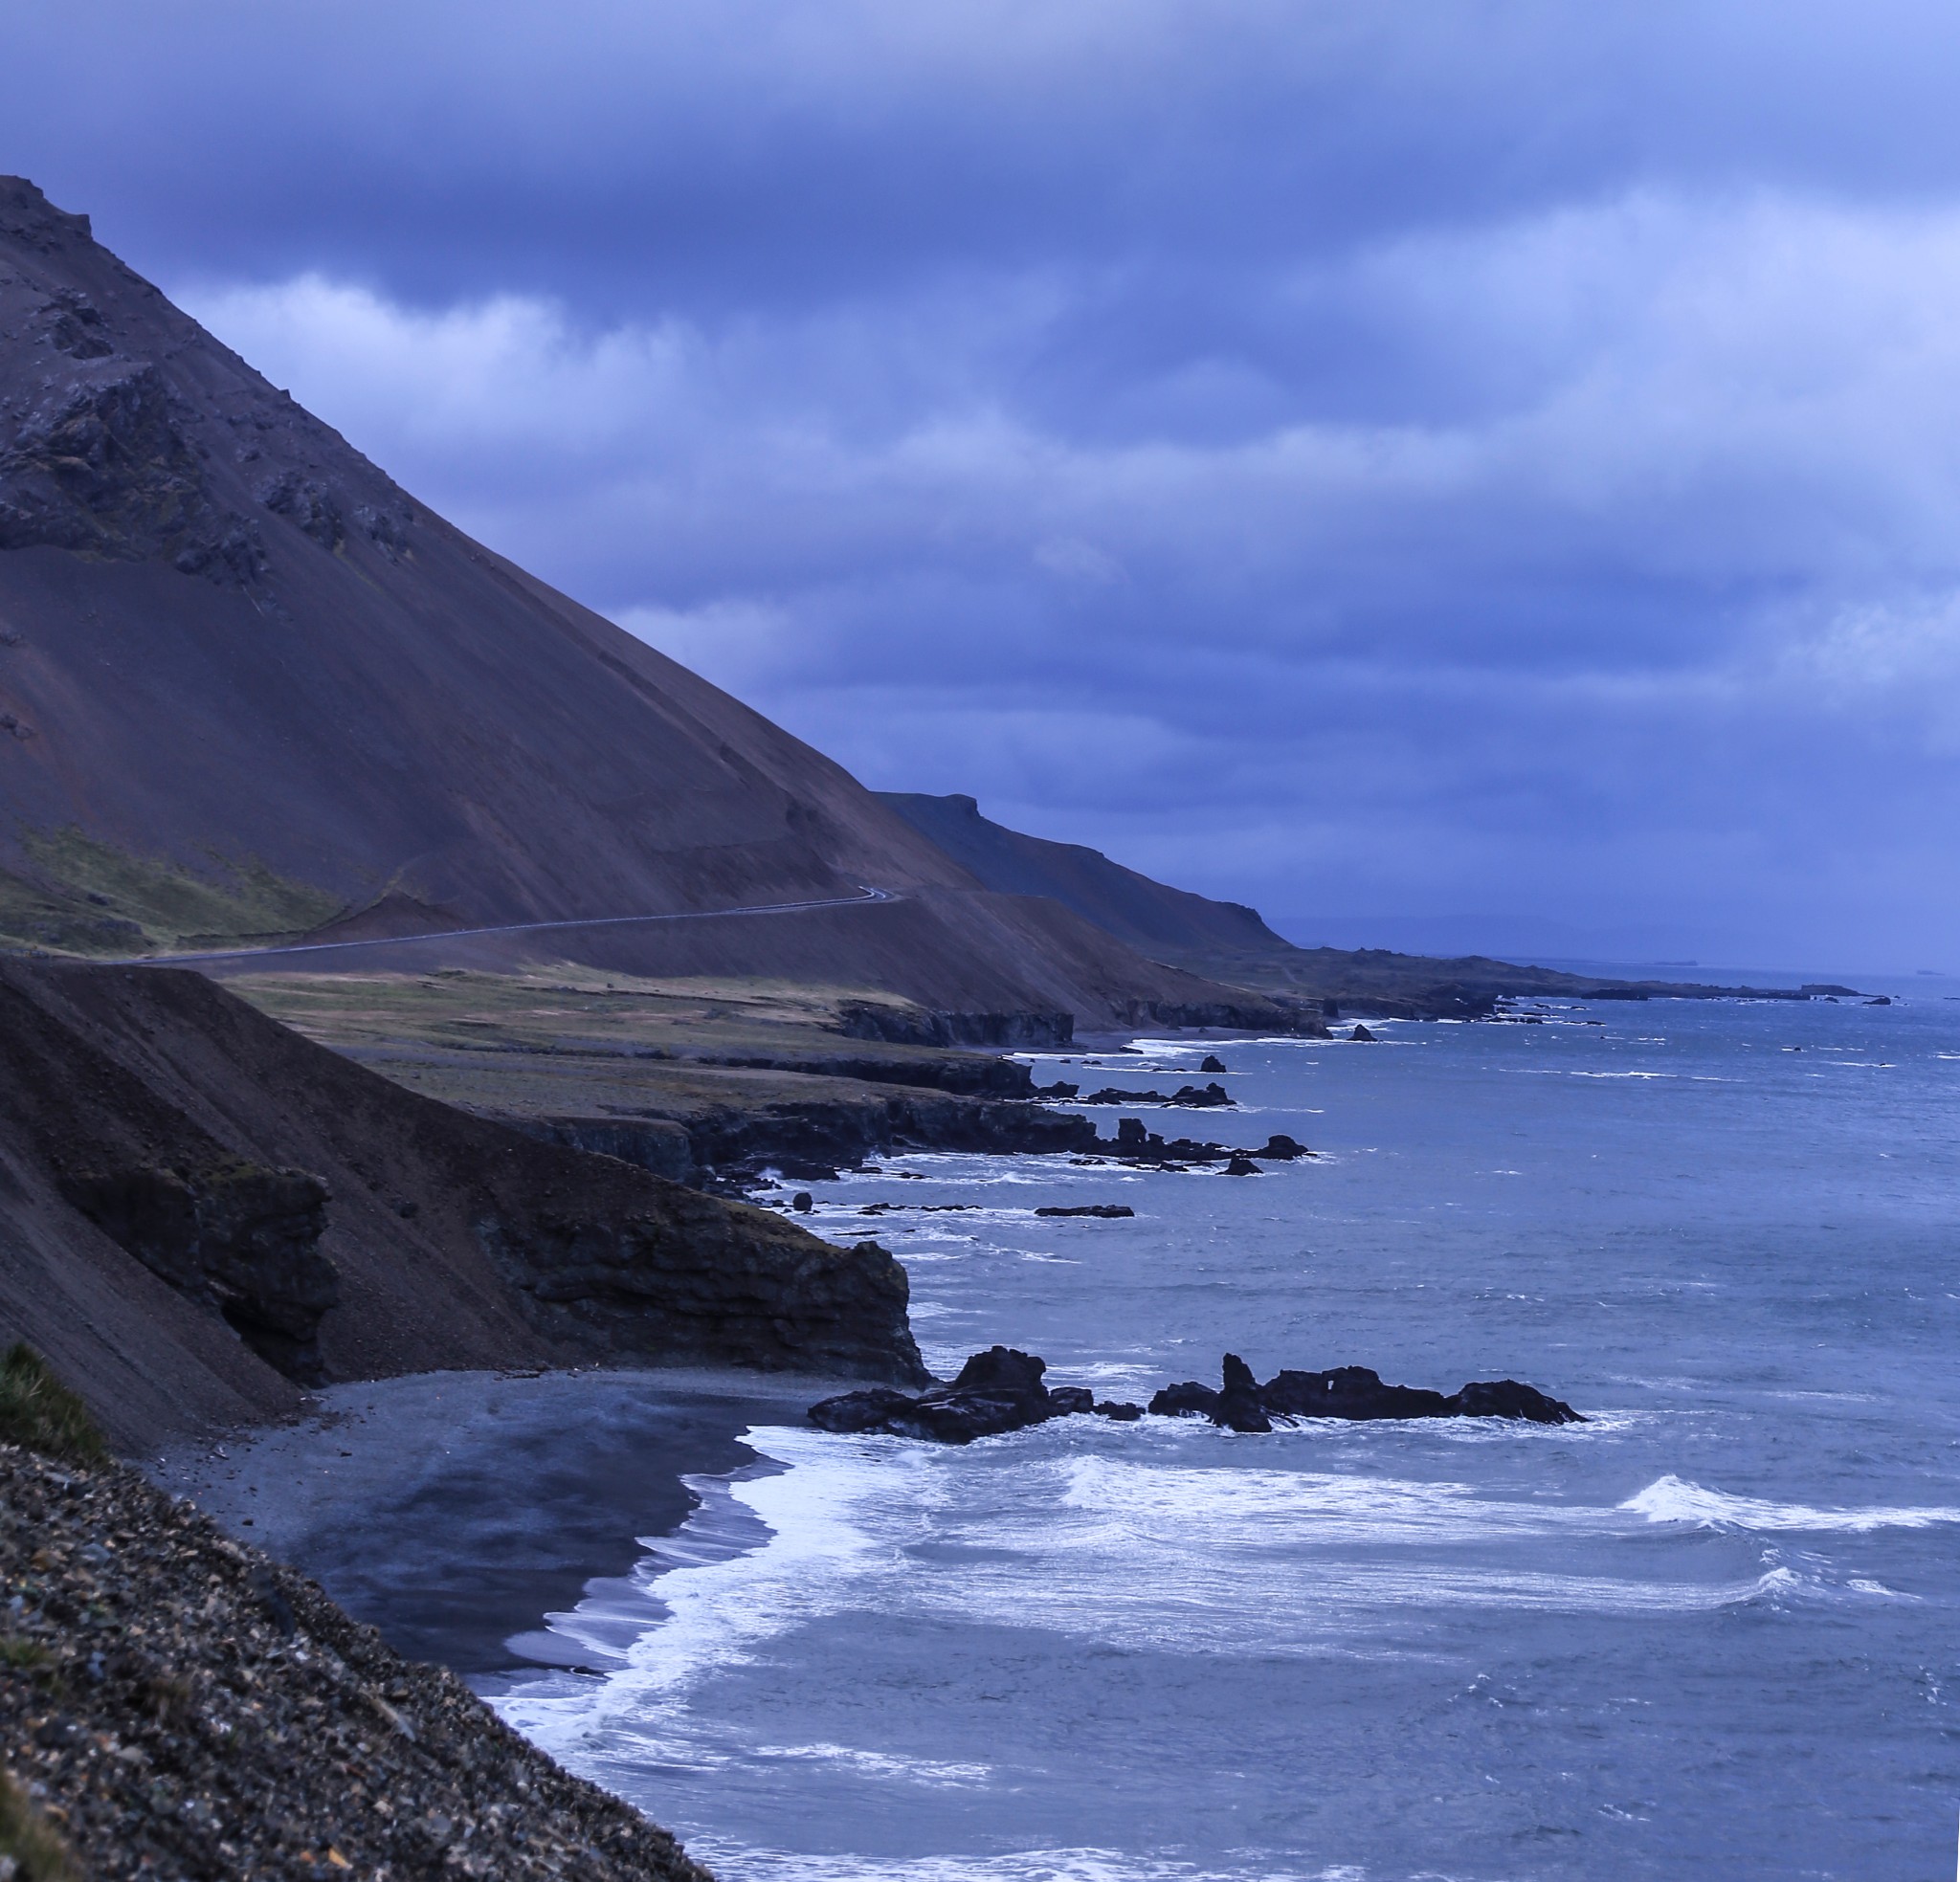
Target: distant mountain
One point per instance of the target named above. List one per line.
(1151, 917)
(250, 687)
(1229, 943)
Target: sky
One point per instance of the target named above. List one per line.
(1458, 474)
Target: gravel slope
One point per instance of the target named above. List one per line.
(180, 1706)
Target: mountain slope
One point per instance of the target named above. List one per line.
(249, 686)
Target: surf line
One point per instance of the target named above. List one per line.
(866, 896)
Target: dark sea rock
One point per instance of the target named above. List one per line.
(1203, 1097)
(859, 1411)
(1001, 1391)
(1362, 1036)
(1238, 1408)
(1193, 1097)
(1177, 1401)
(1281, 1149)
(1106, 1211)
(998, 1390)
(1349, 1391)
(1241, 1166)
(1354, 1393)
(1505, 1398)
(1213, 1063)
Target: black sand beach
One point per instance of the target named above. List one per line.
(454, 1511)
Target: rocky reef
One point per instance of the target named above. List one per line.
(1002, 1390)
(1241, 1403)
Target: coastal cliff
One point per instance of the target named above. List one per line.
(206, 1212)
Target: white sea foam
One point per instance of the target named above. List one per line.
(1081, 1865)
(1675, 1500)
(1090, 1541)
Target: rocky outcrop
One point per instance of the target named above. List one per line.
(1146, 1148)
(964, 1074)
(1001, 1391)
(1350, 1393)
(101, 464)
(652, 1143)
(237, 1237)
(911, 1025)
(996, 1391)
(703, 1281)
(1197, 1097)
(830, 1133)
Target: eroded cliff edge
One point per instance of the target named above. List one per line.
(205, 1212)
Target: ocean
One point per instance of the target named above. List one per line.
(1714, 1630)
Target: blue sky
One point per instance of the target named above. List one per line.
(1476, 473)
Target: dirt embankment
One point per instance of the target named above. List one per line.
(176, 1704)
(205, 1211)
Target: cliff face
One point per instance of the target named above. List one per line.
(204, 1211)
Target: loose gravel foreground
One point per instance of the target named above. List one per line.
(175, 1705)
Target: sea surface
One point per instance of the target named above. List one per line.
(1714, 1631)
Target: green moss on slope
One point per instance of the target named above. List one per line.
(89, 897)
(39, 1414)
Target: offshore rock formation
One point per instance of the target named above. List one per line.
(998, 1390)
(205, 1208)
(1352, 1392)
(1001, 1391)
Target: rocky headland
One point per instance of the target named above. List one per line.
(210, 1213)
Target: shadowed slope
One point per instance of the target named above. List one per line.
(201, 1206)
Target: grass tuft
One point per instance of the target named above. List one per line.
(39, 1414)
(28, 1841)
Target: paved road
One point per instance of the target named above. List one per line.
(288, 952)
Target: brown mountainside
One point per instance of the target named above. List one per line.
(251, 687)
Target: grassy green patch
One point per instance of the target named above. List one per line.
(30, 1840)
(21, 1655)
(88, 897)
(40, 1413)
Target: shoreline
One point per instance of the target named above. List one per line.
(454, 1512)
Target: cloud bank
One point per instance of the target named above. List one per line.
(1497, 461)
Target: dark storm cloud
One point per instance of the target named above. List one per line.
(1468, 457)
